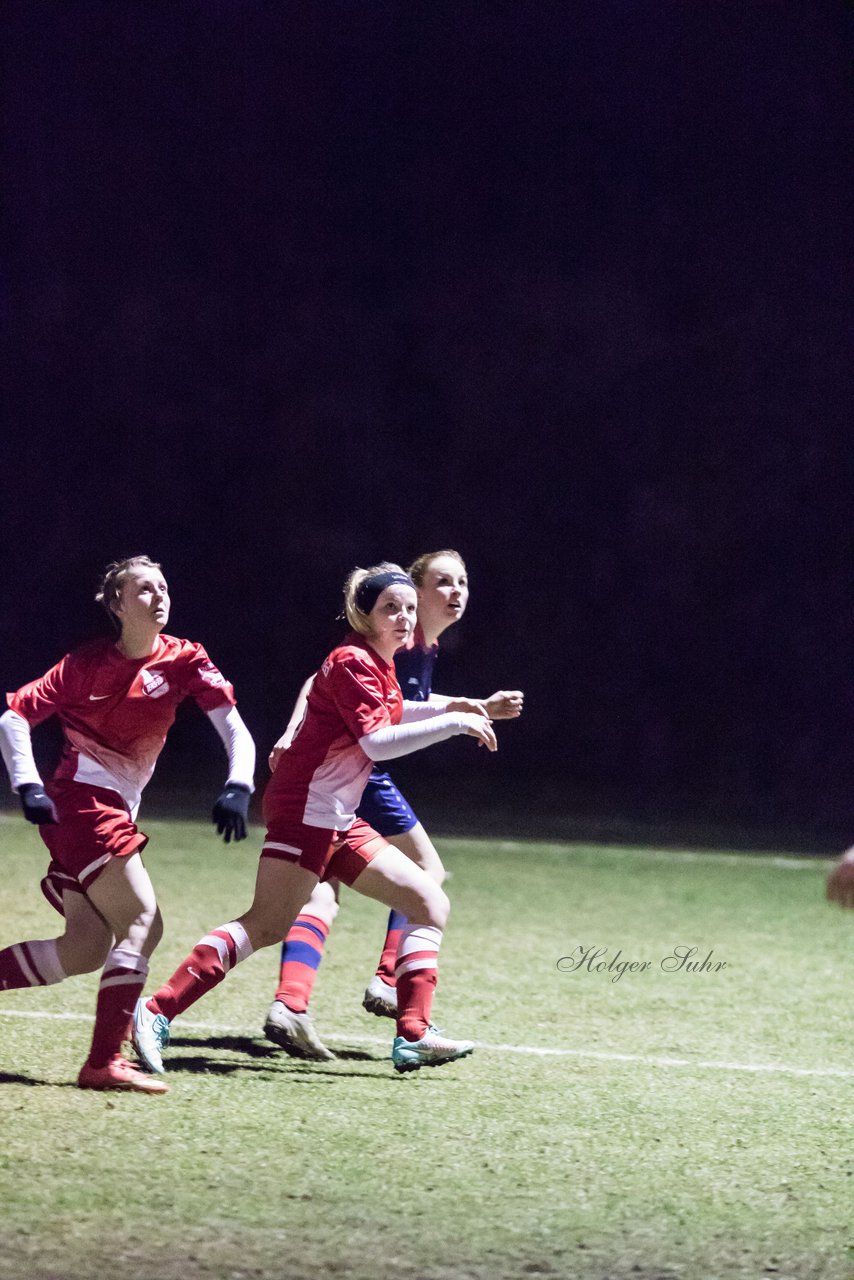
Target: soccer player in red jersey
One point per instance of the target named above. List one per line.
(355, 714)
(441, 580)
(115, 699)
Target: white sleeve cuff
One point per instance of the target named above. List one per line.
(16, 747)
(238, 744)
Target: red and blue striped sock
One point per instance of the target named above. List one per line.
(302, 952)
(388, 960)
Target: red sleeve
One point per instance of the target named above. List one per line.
(358, 694)
(40, 698)
(206, 683)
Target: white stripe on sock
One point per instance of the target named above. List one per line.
(220, 946)
(124, 958)
(240, 938)
(419, 937)
(46, 960)
(121, 980)
(410, 966)
(18, 953)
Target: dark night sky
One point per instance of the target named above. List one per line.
(293, 287)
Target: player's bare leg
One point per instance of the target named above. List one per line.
(281, 888)
(123, 897)
(41, 962)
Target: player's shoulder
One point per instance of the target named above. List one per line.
(172, 648)
(89, 654)
(353, 654)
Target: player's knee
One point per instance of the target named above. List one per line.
(155, 931)
(263, 929)
(323, 903)
(437, 907)
(83, 954)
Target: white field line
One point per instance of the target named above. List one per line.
(594, 1055)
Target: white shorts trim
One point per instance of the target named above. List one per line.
(283, 848)
(93, 866)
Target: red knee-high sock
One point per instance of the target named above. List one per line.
(388, 960)
(416, 978)
(205, 967)
(302, 952)
(122, 980)
(30, 964)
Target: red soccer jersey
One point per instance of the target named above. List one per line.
(320, 778)
(115, 712)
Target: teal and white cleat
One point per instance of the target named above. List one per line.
(431, 1050)
(380, 998)
(150, 1037)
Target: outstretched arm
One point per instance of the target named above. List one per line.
(17, 749)
(505, 704)
(395, 740)
(232, 807)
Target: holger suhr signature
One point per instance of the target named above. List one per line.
(681, 959)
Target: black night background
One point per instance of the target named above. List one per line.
(289, 288)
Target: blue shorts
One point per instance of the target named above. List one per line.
(384, 808)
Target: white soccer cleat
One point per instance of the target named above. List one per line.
(295, 1033)
(150, 1036)
(380, 998)
(432, 1050)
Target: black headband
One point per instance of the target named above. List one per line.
(370, 589)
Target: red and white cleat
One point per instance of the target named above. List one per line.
(118, 1074)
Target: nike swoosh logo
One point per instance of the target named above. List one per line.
(98, 697)
(191, 970)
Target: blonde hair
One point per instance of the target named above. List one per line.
(359, 620)
(420, 566)
(110, 590)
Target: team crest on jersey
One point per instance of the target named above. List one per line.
(211, 675)
(154, 683)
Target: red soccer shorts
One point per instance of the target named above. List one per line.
(93, 827)
(330, 854)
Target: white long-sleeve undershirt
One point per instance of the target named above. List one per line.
(238, 744)
(16, 746)
(395, 740)
(414, 711)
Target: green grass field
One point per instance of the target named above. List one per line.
(668, 1125)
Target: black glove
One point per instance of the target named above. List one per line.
(230, 811)
(37, 804)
